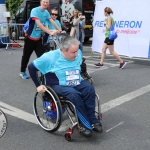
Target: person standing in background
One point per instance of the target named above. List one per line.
(33, 38)
(75, 15)
(109, 43)
(79, 25)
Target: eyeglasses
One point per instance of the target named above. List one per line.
(80, 14)
(54, 14)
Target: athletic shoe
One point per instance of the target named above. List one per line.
(85, 132)
(24, 75)
(97, 127)
(122, 65)
(98, 65)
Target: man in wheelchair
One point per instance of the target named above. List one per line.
(61, 70)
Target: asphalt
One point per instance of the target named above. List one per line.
(124, 97)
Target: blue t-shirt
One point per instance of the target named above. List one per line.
(34, 31)
(59, 71)
(51, 27)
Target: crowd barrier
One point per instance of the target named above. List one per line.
(11, 34)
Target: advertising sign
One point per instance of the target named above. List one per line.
(131, 24)
(2, 10)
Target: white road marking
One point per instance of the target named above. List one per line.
(115, 126)
(13, 111)
(125, 98)
(110, 64)
(104, 107)
(92, 68)
(96, 68)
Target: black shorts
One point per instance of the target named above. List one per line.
(109, 42)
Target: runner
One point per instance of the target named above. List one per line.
(109, 43)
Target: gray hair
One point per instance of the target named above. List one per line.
(68, 41)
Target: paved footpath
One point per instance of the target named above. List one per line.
(124, 96)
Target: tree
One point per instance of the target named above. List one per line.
(12, 5)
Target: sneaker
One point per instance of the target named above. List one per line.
(24, 75)
(97, 127)
(122, 65)
(98, 65)
(85, 132)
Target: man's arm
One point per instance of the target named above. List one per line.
(40, 25)
(34, 76)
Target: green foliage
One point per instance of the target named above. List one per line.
(12, 5)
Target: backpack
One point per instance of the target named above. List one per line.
(26, 26)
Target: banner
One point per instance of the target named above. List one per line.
(132, 25)
(2, 1)
(2, 10)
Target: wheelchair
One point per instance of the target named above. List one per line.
(49, 108)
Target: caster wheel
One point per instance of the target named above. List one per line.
(67, 137)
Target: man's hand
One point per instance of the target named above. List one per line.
(63, 31)
(59, 31)
(41, 89)
(53, 32)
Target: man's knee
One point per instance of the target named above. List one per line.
(74, 96)
(88, 86)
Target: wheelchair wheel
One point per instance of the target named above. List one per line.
(98, 108)
(47, 110)
(3, 123)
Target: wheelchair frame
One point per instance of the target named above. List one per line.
(53, 43)
(52, 124)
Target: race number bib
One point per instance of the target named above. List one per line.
(72, 77)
